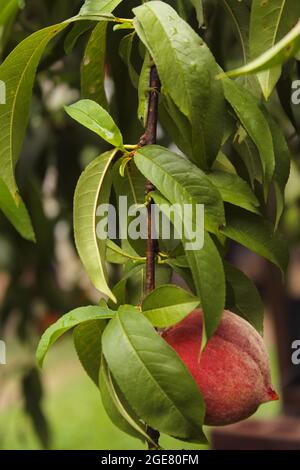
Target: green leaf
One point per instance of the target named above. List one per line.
(94, 184)
(16, 213)
(95, 7)
(234, 190)
(117, 407)
(268, 64)
(8, 11)
(75, 33)
(67, 322)
(131, 185)
(283, 160)
(143, 89)
(181, 182)
(176, 125)
(257, 234)
(183, 272)
(198, 5)
(120, 290)
(270, 22)
(186, 69)
(93, 66)
(91, 115)
(245, 299)
(208, 275)
(240, 16)
(249, 155)
(18, 73)
(253, 120)
(117, 255)
(167, 305)
(149, 372)
(87, 342)
(125, 51)
(269, 54)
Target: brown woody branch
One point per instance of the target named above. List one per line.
(149, 138)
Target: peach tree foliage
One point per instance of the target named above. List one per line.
(236, 160)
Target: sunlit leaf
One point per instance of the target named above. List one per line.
(67, 322)
(91, 115)
(16, 213)
(167, 305)
(93, 185)
(93, 66)
(186, 69)
(180, 181)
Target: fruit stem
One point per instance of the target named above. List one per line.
(149, 138)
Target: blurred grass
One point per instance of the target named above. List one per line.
(75, 413)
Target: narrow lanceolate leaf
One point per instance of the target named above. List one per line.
(254, 122)
(117, 407)
(18, 73)
(120, 289)
(93, 187)
(268, 65)
(198, 5)
(87, 342)
(186, 68)
(143, 89)
(116, 254)
(167, 305)
(283, 160)
(243, 298)
(91, 115)
(176, 125)
(181, 182)
(234, 190)
(148, 371)
(270, 22)
(66, 323)
(125, 51)
(16, 213)
(207, 271)
(257, 234)
(75, 33)
(93, 66)
(94, 7)
(8, 11)
(240, 17)
(208, 274)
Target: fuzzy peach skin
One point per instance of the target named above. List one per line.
(233, 374)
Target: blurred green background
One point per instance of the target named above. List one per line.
(73, 407)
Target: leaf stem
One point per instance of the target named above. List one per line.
(149, 138)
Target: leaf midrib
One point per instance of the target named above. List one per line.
(177, 60)
(173, 178)
(268, 72)
(173, 405)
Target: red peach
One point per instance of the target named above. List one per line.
(233, 371)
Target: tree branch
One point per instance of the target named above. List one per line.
(149, 138)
